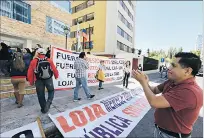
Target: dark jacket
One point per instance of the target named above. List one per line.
(4, 53)
(15, 72)
(27, 58)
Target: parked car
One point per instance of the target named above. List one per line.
(200, 72)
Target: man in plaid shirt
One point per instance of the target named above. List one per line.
(81, 65)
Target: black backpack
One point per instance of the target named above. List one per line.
(43, 70)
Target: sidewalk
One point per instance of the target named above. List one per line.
(13, 117)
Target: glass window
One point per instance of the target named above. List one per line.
(119, 30)
(90, 17)
(80, 20)
(80, 7)
(90, 3)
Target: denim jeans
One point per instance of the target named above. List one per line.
(160, 134)
(40, 89)
(125, 79)
(100, 84)
(83, 82)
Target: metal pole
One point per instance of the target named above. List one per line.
(66, 42)
(83, 44)
(89, 37)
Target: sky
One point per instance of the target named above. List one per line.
(160, 25)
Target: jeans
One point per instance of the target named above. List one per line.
(40, 89)
(83, 82)
(160, 134)
(125, 80)
(100, 84)
(4, 67)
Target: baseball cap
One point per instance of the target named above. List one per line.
(41, 51)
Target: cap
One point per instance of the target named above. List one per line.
(41, 51)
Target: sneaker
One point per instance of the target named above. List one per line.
(91, 96)
(77, 100)
(20, 105)
(101, 88)
(43, 111)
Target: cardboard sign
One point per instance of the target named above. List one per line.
(28, 131)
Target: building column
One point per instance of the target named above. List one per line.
(28, 44)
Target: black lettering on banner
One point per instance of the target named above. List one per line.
(72, 75)
(116, 73)
(64, 65)
(25, 134)
(66, 56)
(110, 129)
(103, 133)
(65, 83)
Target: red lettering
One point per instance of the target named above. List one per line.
(63, 123)
(90, 114)
(98, 110)
(78, 118)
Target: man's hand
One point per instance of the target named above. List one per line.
(140, 77)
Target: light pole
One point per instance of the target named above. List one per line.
(66, 31)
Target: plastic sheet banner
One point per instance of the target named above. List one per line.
(64, 61)
(113, 116)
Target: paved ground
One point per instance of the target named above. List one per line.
(12, 117)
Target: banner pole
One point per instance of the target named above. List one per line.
(40, 126)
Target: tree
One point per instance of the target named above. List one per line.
(197, 52)
(180, 50)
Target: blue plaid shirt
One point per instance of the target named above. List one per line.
(80, 66)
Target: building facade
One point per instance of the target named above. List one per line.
(27, 23)
(112, 26)
(199, 43)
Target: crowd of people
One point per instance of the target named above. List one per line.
(177, 106)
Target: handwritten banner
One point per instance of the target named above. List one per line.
(31, 130)
(113, 116)
(64, 61)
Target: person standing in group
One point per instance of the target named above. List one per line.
(127, 70)
(48, 52)
(27, 57)
(101, 74)
(18, 77)
(81, 65)
(4, 58)
(40, 72)
(180, 98)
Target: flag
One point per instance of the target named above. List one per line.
(84, 34)
(78, 37)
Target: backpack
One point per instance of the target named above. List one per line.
(43, 70)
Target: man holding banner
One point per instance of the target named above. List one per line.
(178, 106)
(81, 65)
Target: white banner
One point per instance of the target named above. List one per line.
(28, 131)
(64, 61)
(113, 116)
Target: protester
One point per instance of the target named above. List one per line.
(27, 57)
(101, 74)
(10, 58)
(18, 50)
(48, 52)
(140, 67)
(18, 77)
(4, 58)
(177, 108)
(40, 72)
(127, 71)
(81, 65)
